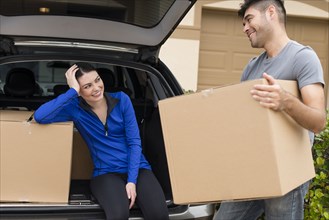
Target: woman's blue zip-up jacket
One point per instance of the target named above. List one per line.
(115, 146)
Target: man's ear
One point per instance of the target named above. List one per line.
(271, 10)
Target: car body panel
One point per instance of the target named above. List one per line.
(94, 29)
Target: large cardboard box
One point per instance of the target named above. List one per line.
(222, 145)
(35, 160)
(82, 165)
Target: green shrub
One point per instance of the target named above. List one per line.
(317, 198)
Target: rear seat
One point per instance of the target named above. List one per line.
(20, 82)
(60, 89)
(21, 90)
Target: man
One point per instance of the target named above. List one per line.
(264, 24)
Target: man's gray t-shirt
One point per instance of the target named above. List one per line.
(294, 62)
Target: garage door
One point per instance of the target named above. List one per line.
(225, 50)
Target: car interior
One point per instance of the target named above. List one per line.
(24, 86)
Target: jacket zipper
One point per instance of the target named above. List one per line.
(106, 128)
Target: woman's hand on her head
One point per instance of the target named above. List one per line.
(131, 193)
(70, 78)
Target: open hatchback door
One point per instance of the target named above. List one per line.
(123, 24)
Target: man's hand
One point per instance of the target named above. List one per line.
(131, 193)
(309, 112)
(70, 78)
(270, 96)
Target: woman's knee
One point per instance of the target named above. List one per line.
(150, 197)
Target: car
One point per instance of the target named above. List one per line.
(40, 40)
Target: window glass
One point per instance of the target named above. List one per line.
(145, 13)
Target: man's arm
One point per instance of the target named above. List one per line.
(309, 113)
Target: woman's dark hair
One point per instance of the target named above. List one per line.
(83, 69)
(262, 5)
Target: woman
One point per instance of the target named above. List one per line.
(107, 123)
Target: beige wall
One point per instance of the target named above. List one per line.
(183, 61)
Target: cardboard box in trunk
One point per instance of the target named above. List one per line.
(222, 145)
(35, 160)
(82, 165)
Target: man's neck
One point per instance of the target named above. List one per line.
(278, 42)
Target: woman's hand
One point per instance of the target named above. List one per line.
(70, 78)
(131, 193)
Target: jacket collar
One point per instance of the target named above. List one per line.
(111, 103)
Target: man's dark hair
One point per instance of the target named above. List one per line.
(83, 69)
(262, 5)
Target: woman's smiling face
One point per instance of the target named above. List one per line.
(91, 87)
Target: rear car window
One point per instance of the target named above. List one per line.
(51, 74)
(145, 13)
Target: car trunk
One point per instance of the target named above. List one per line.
(126, 35)
(148, 87)
(80, 197)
